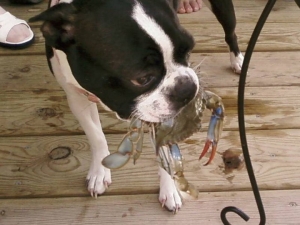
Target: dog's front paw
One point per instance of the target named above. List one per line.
(98, 179)
(236, 62)
(168, 194)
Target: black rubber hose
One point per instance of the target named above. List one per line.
(241, 91)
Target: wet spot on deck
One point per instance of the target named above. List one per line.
(25, 69)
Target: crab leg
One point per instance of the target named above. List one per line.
(214, 103)
(139, 147)
(171, 160)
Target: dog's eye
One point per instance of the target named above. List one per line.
(143, 81)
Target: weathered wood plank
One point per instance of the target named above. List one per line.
(29, 73)
(27, 170)
(266, 69)
(281, 208)
(41, 112)
(206, 30)
(45, 112)
(246, 11)
(284, 11)
(274, 37)
(210, 38)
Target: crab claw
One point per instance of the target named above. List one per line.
(115, 160)
(126, 148)
(209, 143)
(213, 133)
(121, 157)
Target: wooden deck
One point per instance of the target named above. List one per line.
(38, 185)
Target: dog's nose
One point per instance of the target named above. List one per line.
(184, 91)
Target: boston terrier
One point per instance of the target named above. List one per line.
(131, 56)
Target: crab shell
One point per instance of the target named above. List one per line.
(186, 123)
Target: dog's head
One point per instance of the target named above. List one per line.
(132, 54)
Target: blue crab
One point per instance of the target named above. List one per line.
(164, 137)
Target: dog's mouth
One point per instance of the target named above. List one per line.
(165, 112)
(157, 119)
(150, 117)
(153, 116)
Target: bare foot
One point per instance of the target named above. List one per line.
(188, 6)
(18, 33)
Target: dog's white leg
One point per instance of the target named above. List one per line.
(99, 177)
(236, 62)
(168, 194)
(84, 108)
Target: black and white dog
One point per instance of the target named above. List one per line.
(132, 57)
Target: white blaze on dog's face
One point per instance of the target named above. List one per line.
(180, 83)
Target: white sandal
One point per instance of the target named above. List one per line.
(7, 22)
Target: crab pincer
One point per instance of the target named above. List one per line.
(119, 158)
(131, 145)
(214, 103)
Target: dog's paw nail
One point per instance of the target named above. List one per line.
(163, 202)
(92, 192)
(106, 184)
(176, 208)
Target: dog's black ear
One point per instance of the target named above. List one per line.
(58, 26)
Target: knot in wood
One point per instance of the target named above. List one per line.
(61, 152)
(46, 112)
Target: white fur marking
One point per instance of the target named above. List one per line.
(236, 62)
(156, 33)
